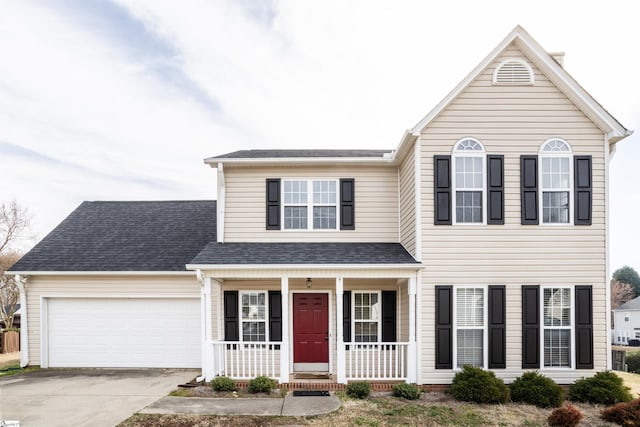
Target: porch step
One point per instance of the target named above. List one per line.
(311, 376)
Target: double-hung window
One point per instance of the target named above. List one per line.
(366, 309)
(555, 159)
(469, 181)
(310, 204)
(557, 313)
(253, 309)
(470, 326)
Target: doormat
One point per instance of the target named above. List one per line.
(309, 376)
(304, 393)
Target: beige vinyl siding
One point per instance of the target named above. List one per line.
(512, 120)
(99, 287)
(408, 203)
(376, 204)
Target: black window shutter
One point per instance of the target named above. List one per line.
(444, 314)
(442, 190)
(231, 321)
(275, 316)
(495, 189)
(347, 204)
(388, 316)
(529, 189)
(583, 190)
(530, 327)
(497, 331)
(584, 327)
(346, 316)
(273, 204)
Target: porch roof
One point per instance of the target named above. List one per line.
(302, 254)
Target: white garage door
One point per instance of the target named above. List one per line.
(114, 332)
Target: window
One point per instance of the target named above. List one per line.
(555, 159)
(253, 311)
(470, 325)
(366, 309)
(626, 317)
(310, 204)
(556, 311)
(468, 181)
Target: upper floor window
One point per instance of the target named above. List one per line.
(310, 204)
(626, 317)
(468, 181)
(556, 182)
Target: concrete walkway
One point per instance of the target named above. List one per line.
(288, 406)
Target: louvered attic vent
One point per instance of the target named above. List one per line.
(513, 72)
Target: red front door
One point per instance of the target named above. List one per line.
(310, 328)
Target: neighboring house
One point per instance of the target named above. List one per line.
(481, 239)
(626, 321)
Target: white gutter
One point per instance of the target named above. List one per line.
(387, 160)
(414, 267)
(24, 323)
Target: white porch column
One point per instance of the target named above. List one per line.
(412, 350)
(340, 353)
(207, 350)
(284, 348)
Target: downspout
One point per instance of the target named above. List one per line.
(24, 330)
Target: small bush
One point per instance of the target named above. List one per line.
(567, 416)
(477, 385)
(261, 385)
(604, 387)
(625, 414)
(223, 384)
(406, 391)
(358, 390)
(536, 389)
(633, 362)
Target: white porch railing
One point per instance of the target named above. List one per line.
(376, 361)
(246, 360)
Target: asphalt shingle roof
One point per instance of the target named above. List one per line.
(125, 236)
(303, 253)
(273, 154)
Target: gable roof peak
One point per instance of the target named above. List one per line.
(552, 69)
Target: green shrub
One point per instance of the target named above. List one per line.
(536, 389)
(477, 385)
(261, 385)
(624, 414)
(633, 362)
(604, 387)
(358, 390)
(223, 384)
(406, 391)
(567, 416)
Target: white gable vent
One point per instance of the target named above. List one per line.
(513, 72)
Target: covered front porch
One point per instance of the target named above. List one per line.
(293, 324)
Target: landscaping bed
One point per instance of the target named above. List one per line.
(208, 391)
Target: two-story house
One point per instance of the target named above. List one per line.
(481, 239)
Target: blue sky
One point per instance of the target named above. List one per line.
(121, 100)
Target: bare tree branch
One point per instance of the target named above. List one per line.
(14, 222)
(620, 293)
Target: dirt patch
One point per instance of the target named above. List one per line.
(9, 359)
(154, 420)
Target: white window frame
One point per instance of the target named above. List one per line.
(354, 321)
(458, 154)
(266, 316)
(310, 204)
(626, 316)
(571, 328)
(485, 327)
(555, 154)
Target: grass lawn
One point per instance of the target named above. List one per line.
(631, 380)
(13, 368)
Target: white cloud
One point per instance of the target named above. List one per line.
(140, 91)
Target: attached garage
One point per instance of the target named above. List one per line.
(122, 332)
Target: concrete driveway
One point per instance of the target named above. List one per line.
(81, 397)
